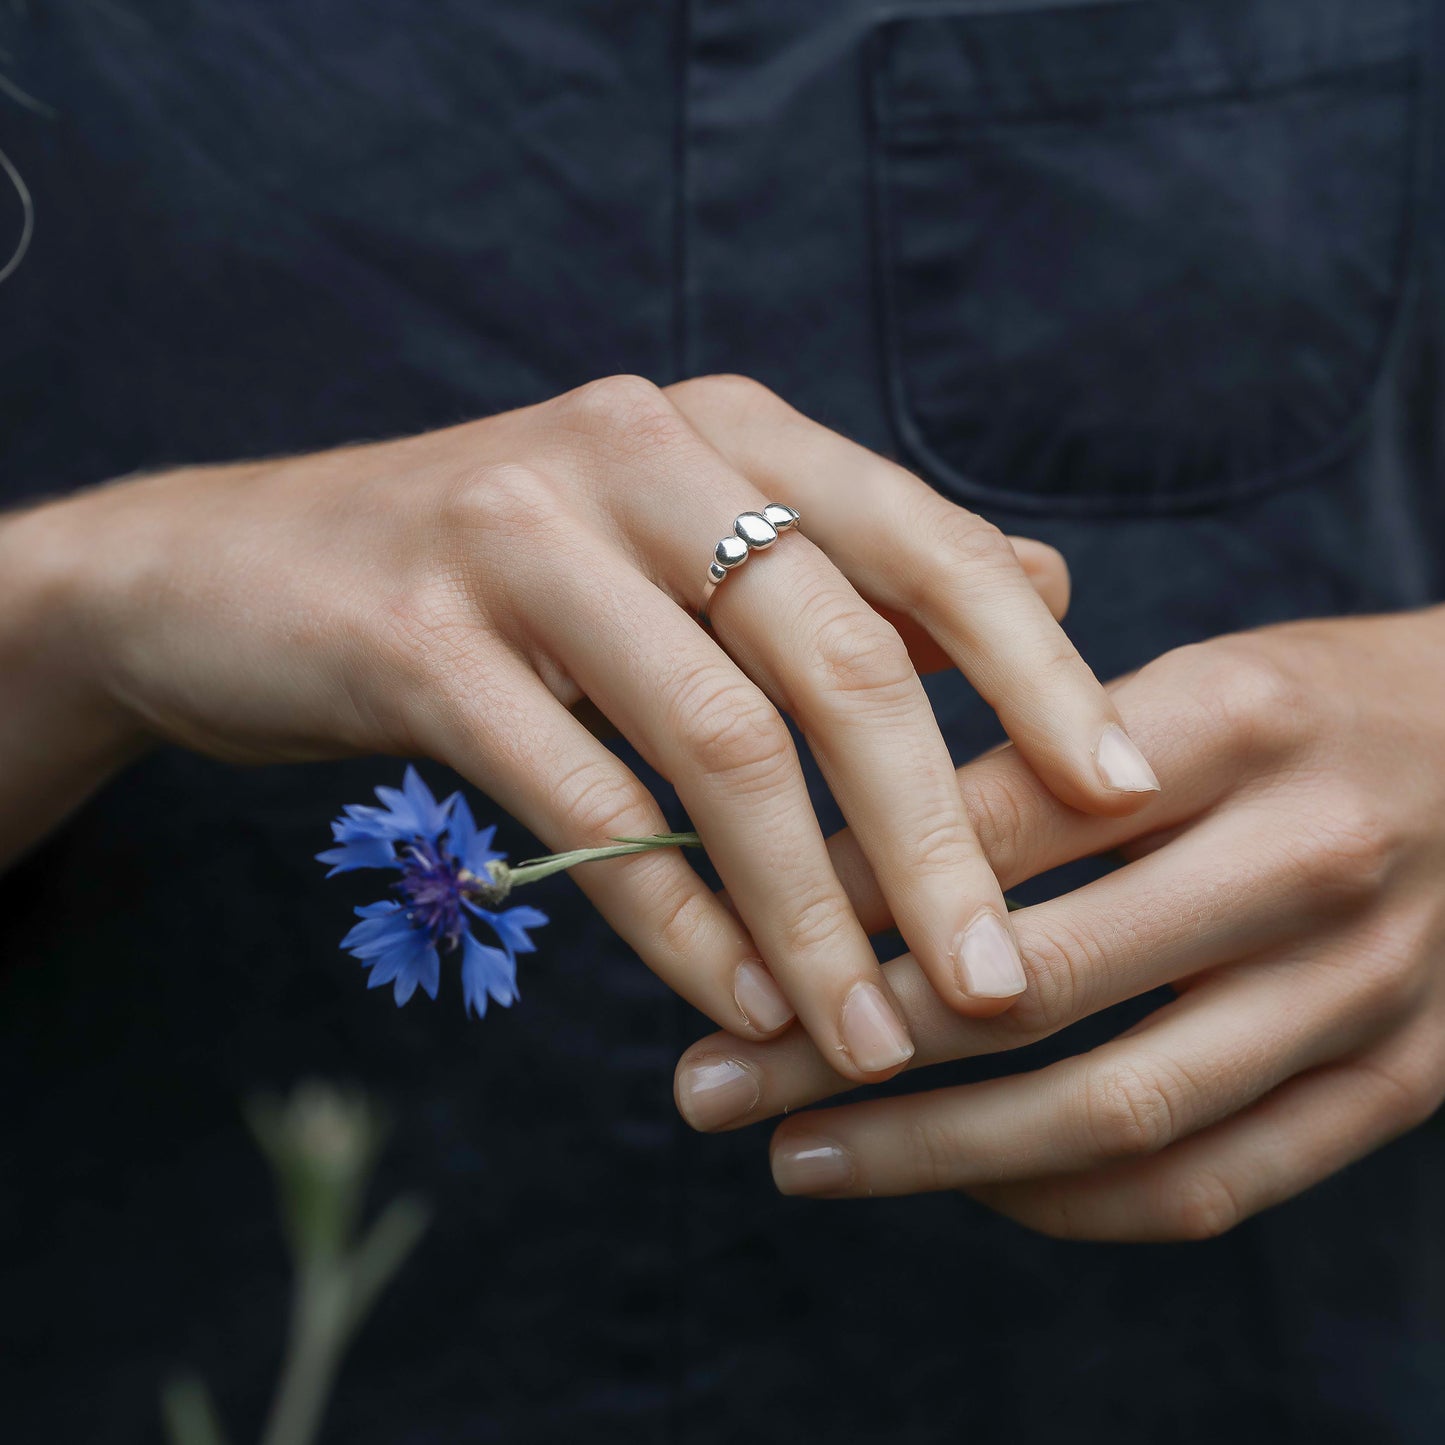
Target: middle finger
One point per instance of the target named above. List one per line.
(701, 723)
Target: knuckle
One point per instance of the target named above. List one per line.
(1409, 1087)
(1059, 666)
(726, 394)
(615, 400)
(498, 497)
(1126, 1112)
(627, 413)
(938, 840)
(854, 651)
(1252, 694)
(811, 925)
(959, 554)
(931, 1150)
(1390, 984)
(1264, 700)
(1384, 989)
(1349, 853)
(733, 732)
(1002, 820)
(1058, 960)
(964, 542)
(603, 801)
(1201, 1206)
(680, 914)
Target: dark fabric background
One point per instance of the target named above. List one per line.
(1156, 280)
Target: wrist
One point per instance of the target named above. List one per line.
(61, 734)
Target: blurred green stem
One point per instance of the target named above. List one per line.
(321, 1144)
(189, 1415)
(318, 1335)
(332, 1297)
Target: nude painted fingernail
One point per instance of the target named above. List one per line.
(872, 1033)
(714, 1092)
(811, 1166)
(759, 998)
(1121, 765)
(987, 959)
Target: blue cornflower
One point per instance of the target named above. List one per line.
(448, 879)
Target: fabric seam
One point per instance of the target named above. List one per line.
(1103, 502)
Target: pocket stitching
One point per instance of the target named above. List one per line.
(1207, 85)
(1371, 75)
(1349, 433)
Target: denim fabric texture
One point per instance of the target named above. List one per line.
(1156, 280)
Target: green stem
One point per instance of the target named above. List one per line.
(190, 1417)
(532, 869)
(333, 1295)
(318, 1337)
(376, 1260)
(535, 868)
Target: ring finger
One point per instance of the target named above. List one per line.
(706, 727)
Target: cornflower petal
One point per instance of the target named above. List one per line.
(510, 925)
(433, 815)
(414, 961)
(374, 936)
(378, 910)
(428, 971)
(360, 824)
(365, 853)
(469, 845)
(384, 970)
(414, 811)
(486, 973)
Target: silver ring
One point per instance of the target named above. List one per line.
(752, 532)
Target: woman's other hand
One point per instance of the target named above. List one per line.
(1288, 885)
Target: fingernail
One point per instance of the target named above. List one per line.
(872, 1034)
(988, 960)
(714, 1092)
(759, 998)
(1121, 765)
(811, 1166)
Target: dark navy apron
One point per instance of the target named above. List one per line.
(1156, 281)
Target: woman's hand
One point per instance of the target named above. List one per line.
(454, 594)
(1289, 882)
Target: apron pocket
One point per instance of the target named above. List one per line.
(1140, 255)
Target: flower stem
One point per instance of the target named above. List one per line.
(333, 1294)
(534, 868)
(531, 869)
(190, 1417)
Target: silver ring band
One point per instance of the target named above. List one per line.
(752, 532)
